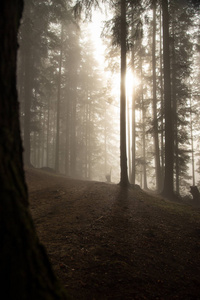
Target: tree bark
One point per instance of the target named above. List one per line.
(133, 139)
(155, 121)
(192, 144)
(133, 125)
(161, 98)
(168, 189)
(25, 270)
(67, 134)
(174, 118)
(145, 186)
(73, 146)
(27, 90)
(57, 156)
(123, 155)
(129, 143)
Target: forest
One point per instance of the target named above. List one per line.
(94, 93)
(70, 106)
(70, 96)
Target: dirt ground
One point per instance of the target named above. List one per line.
(106, 242)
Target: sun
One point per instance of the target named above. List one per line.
(132, 81)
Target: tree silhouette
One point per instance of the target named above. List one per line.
(123, 155)
(25, 269)
(168, 179)
(87, 6)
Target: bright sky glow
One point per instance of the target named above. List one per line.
(131, 81)
(96, 27)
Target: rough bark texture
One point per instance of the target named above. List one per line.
(25, 271)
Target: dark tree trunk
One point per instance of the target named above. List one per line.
(145, 186)
(123, 155)
(192, 144)
(25, 271)
(129, 143)
(156, 140)
(105, 140)
(27, 90)
(133, 166)
(73, 159)
(67, 128)
(168, 180)
(57, 156)
(89, 151)
(174, 119)
(161, 99)
(133, 140)
(48, 133)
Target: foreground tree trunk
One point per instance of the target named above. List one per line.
(123, 155)
(25, 270)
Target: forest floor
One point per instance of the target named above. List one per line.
(107, 242)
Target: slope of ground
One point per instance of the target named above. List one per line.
(106, 242)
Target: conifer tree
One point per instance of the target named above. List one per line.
(25, 270)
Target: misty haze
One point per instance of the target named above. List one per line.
(105, 151)
(69, 92)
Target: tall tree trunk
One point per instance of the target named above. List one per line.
(133, 140)
(105, 140)
(86, 141)
(161, 98)
(87, 138)
(25, 270)
(27, 90)
(43, 139)
(73, 172)
(67, 134)
(143, 136)
(89, 152)
(168, 180)
(174, 118)
(57, 156)
(192, 144)
(144, 148)
(48, 132)
(155, 120)
(33, 155)
(40, 142)
(123, 155)
(129, 141)
(133, 166)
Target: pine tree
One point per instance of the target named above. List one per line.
(168, 189)
(25, 269)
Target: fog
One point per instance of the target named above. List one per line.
(69, 92)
